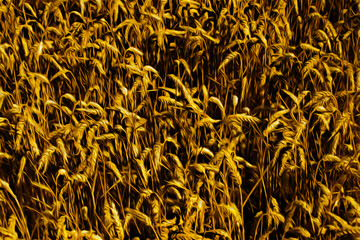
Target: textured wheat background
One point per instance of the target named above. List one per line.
(179, 119)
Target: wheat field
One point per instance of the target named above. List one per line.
(179, 119)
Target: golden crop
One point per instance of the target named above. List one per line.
(179, 119)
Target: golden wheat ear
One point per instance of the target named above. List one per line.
(181, 119)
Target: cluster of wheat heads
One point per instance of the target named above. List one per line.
(179, 119)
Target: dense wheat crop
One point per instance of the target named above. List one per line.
(179, 119)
